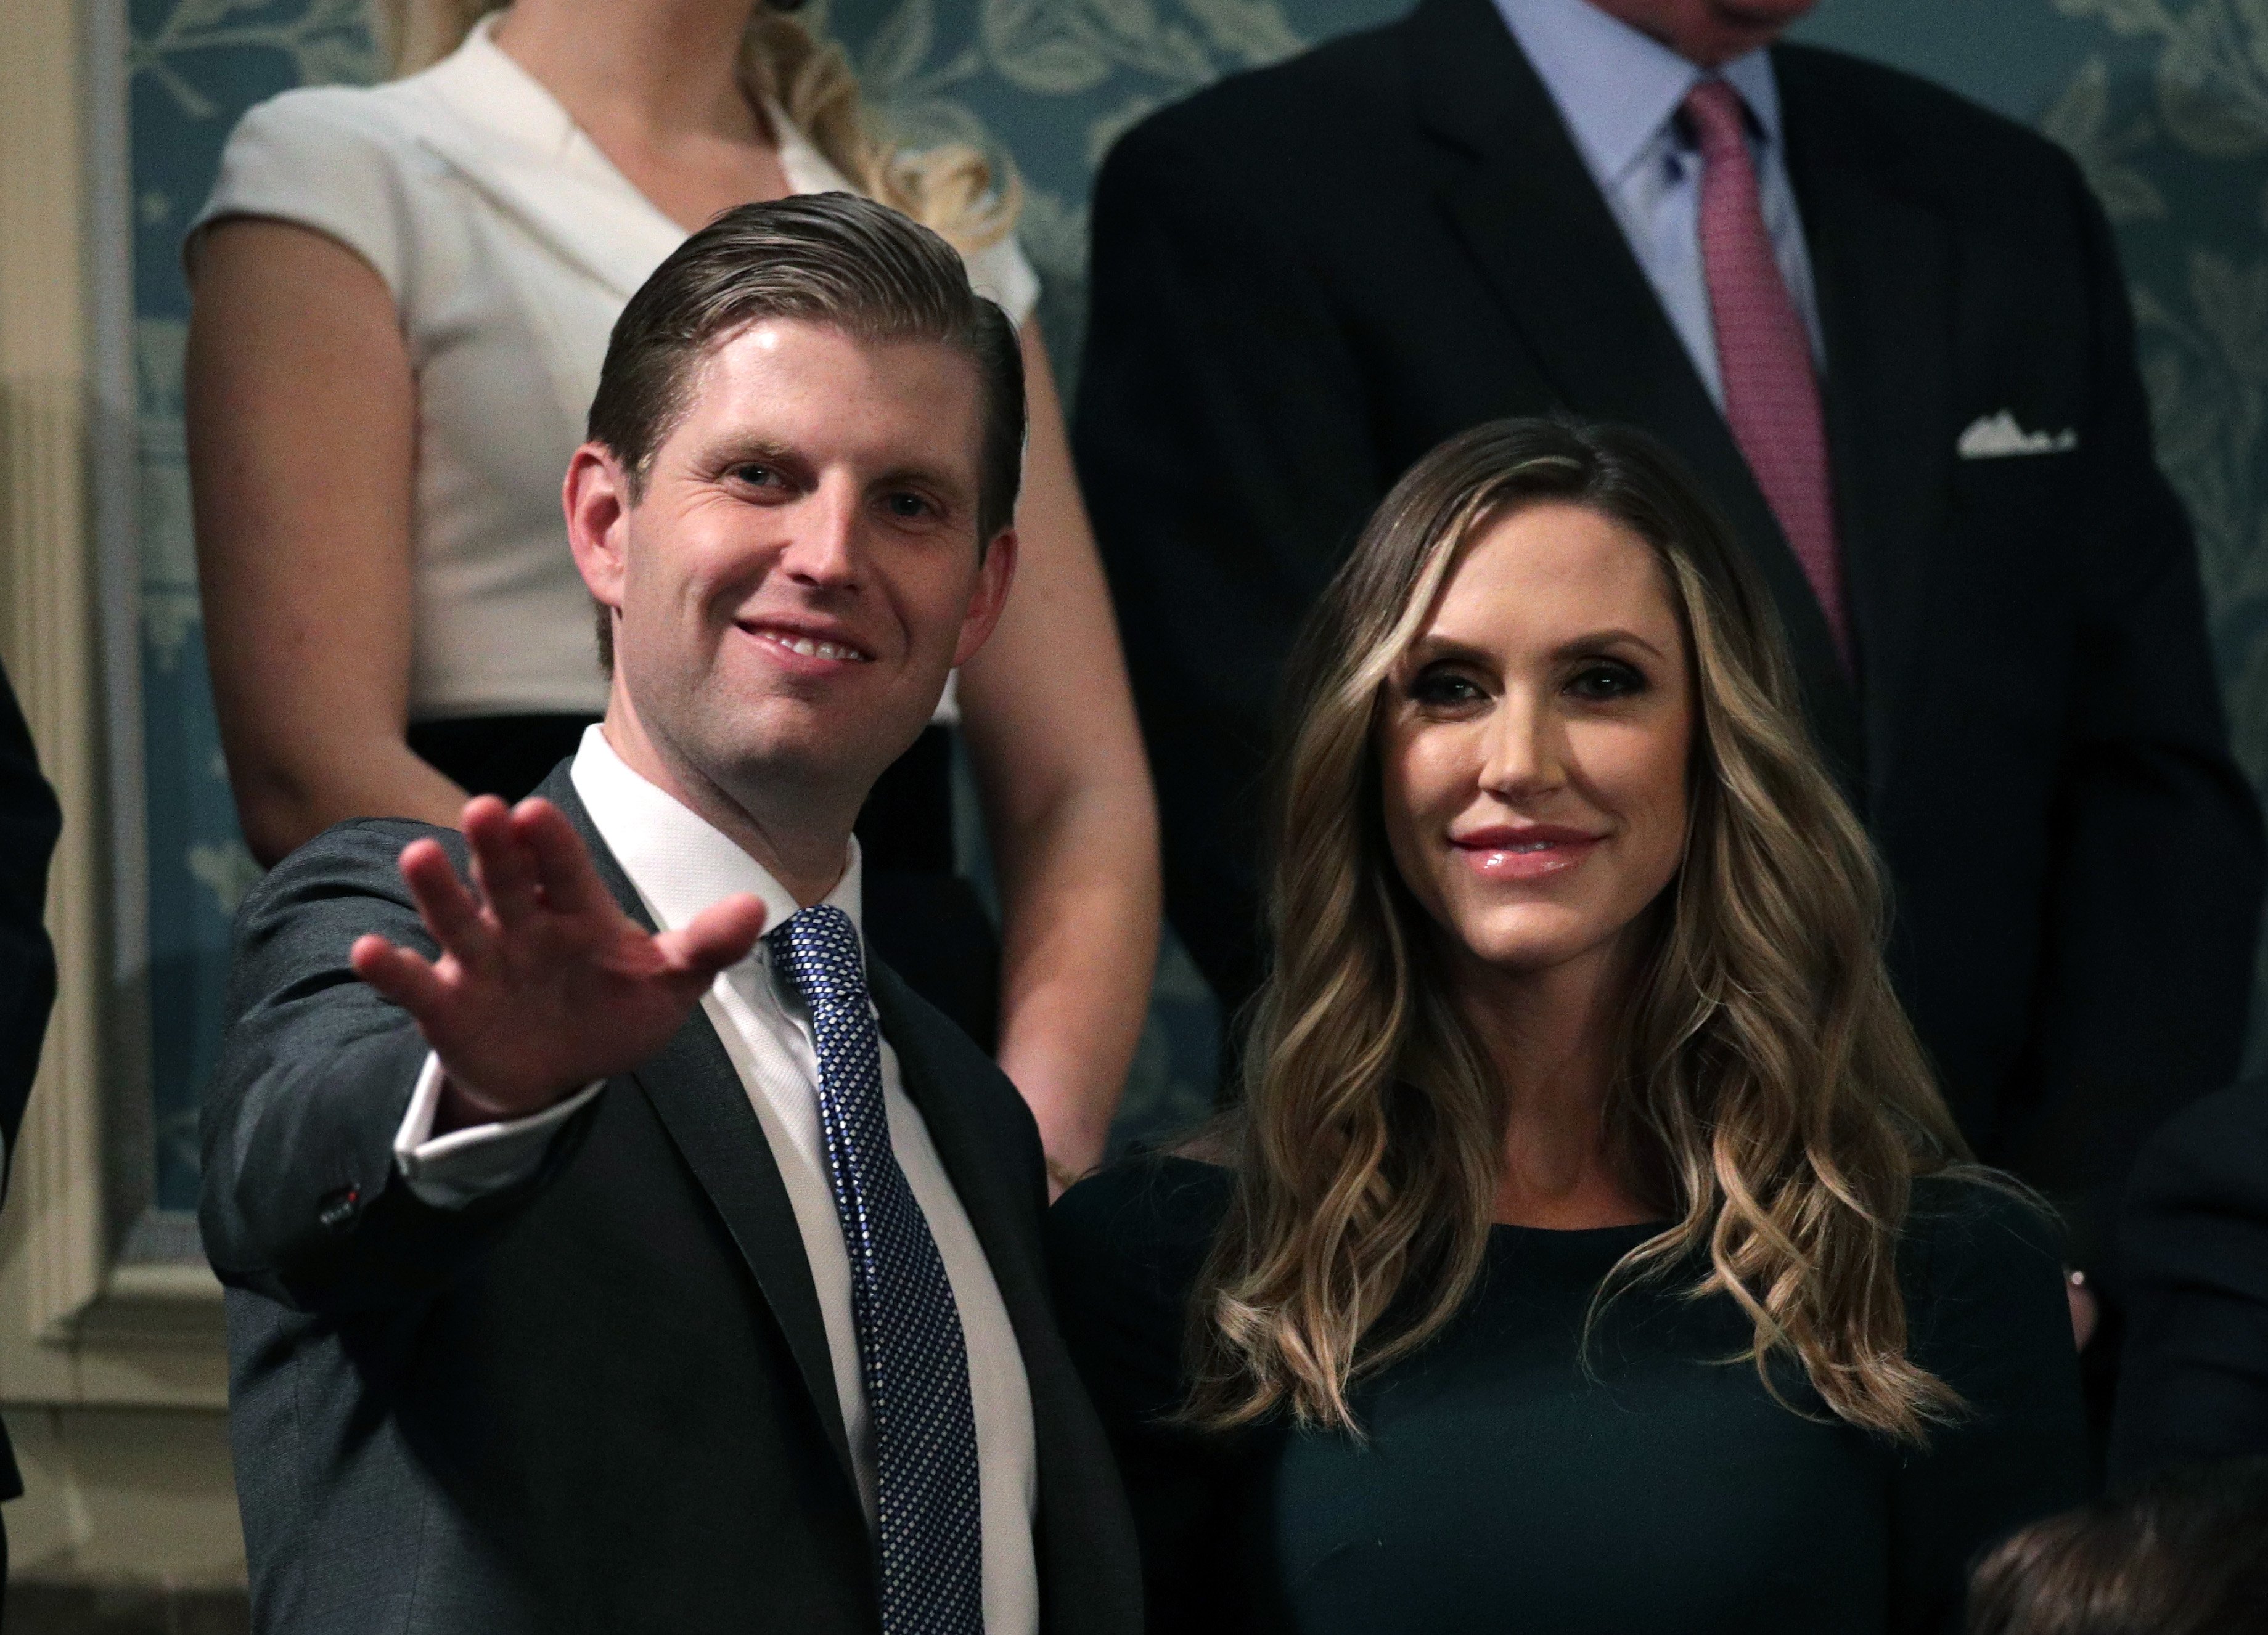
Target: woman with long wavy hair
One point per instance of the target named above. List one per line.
(1593, 1250)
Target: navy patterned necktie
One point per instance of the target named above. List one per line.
(910, 1351)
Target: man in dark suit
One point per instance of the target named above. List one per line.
(1888, 330)
(595, 1263)
(29, 823)
(2195, 1251)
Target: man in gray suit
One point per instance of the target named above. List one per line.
(595, 1260)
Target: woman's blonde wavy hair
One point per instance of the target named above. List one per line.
(1769, 1087)
(951, 189)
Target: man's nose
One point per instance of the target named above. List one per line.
(823, 549)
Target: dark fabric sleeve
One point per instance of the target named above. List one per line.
(1124, 1248)
(301, 1200)
(30, 821)
(1222, 441)
(2154, 905)
(1983, 1273)
(2195, 1381)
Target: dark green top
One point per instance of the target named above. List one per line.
(1507, 1487)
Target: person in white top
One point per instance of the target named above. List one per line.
(403, 297)
(625, 1248)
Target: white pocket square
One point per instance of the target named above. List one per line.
(1996, 437)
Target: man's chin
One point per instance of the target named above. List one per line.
(806, 744)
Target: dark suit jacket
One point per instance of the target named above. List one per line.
(1306, 277)
(29, 822)
(2195, 1383)
(604, 1401)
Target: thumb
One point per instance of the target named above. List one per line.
(720, 935)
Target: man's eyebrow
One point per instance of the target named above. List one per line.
(951, 482)
(751, 450)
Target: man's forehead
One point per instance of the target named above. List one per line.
(778, 376)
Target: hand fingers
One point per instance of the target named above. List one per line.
(719, 935)
(501, 864)
(448, 910)
(562, 865)
(399, 974)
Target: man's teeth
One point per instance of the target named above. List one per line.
(808, 647)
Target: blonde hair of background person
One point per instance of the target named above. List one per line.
(949, 189)
(302, 419)
(1761, 1087)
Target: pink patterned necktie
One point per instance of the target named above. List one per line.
(1772, 394)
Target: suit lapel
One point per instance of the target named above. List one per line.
(1883, 264)
(698, 1097)
(1527, 212)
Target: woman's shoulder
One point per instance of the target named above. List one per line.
(1979, 1252)
(1149, 1218)
(338, 159)
(378, 120)
(1960, 1215)
(1125, 1248)
(1002, 272)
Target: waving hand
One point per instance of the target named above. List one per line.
(543, 984)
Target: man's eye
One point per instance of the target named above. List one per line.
(910, 507)
(755, 476)
(1606, 680)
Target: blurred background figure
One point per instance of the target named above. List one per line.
(29, 822)
(2195, 1251)
(403, 298)
(1889, 330)
(2184, 1554)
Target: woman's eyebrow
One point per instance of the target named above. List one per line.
(1599, 641)
(1432, 645)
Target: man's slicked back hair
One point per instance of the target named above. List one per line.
(834, 259)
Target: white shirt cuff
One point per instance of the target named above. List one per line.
(449, 1171)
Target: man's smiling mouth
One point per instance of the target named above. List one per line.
(808, 646)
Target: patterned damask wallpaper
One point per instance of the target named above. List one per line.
(2165, 102)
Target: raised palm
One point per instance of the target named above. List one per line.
(543, 984)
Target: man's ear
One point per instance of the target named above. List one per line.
(596, 497)
(994, 574)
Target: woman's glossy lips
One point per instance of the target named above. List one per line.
(1529, 852)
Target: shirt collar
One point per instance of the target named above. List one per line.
(679, 861)
(1615, 87)
(483, 83)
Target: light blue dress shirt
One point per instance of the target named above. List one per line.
(1619, 92)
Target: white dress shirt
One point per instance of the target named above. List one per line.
(681, 865)
(1619, 92)
(509, 242)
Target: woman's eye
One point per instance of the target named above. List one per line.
(1441, 689)
(1606, 679)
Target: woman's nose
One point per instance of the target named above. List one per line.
(1523, 749)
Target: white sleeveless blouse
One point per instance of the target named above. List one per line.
(509, 243)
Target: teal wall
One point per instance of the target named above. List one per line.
(2165, 102)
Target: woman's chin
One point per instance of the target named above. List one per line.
(1531, 939)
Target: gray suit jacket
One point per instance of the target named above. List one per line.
(602, 1401)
